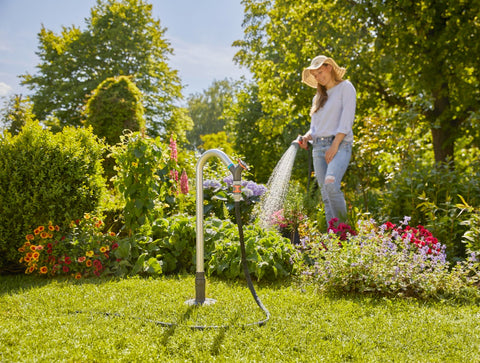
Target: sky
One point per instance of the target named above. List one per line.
(201, 33)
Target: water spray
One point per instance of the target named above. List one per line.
(277, 186)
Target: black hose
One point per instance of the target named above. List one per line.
(247, 278)
(245, 266)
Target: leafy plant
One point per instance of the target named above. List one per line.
(269, 255)
(46, 177)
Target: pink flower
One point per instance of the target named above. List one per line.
(184, 182)
(174, 175)
(173, 149)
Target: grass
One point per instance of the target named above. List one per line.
(39, 322)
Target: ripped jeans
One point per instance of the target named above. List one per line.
(329, 177)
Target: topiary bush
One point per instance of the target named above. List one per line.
(45, 178)
(114, 106)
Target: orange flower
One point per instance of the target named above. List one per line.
(57, 228)
(21, 249)
(51, 228)
(44, 235)
(33, 248)
(41, 228)
(88, 263)
(35, 256)
(112, 234)
(78, 276)
(43, 269)
(30, 237)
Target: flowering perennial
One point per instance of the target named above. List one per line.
(83, 252)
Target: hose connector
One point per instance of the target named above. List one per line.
(236, 171)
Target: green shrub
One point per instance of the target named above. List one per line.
(46, 177)
(429, 195)
(114, 106)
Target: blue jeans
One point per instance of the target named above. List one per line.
(329, 177)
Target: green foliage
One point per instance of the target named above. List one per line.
(269, 255)
(471, 237)
(46, 177)
(114, 106)
(121, 38)
(173, 242)
(15, 114)
(206, 110)
(369, 38)
(218, 140)
(254, 136)
(429, 195)
(138, 159)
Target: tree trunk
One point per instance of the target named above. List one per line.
(443, 144)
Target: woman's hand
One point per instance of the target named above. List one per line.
(330, 154)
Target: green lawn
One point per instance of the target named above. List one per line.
(39, 322)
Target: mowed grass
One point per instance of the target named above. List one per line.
(44, 320)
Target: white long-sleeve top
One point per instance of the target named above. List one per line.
(338, 113)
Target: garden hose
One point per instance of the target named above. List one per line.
(247, 278)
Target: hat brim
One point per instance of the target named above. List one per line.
(310, 80)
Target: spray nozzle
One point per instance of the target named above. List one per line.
(298, 141)
(236, 171)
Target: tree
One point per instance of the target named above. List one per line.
(16, 113)
(121, 38)
(115, 106)
(206, 110)
(417, 58)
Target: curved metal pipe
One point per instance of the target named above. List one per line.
(200, 253)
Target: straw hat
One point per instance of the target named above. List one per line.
(317, 62)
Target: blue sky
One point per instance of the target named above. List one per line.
(201, 33)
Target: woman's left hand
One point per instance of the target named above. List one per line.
(330, 154)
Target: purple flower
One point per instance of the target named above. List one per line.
(211, 184)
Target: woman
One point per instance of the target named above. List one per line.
(332, 115)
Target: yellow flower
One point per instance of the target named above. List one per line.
(134, 164)
(89, 253)
(43, 269)
(103, 249)
(87, 216)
